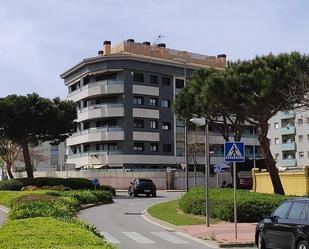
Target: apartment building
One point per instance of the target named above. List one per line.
(124, 97)
(289, 139)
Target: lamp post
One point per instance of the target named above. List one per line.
(203, 122)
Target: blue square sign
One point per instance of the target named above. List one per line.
(234, 152)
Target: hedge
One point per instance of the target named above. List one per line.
(251, 207)
(19, 183)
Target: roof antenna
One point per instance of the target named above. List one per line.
(157, 41)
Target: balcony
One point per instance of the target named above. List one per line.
(96, 135)
(96, 153)
(288, 146)
(288, 162)
(100, 111)
(96, 89)
(286, 115)
(288, 130)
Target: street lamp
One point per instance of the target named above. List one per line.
(203, 122)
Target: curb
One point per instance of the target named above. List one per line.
(173, 228)
(86, 206)
(4, 209)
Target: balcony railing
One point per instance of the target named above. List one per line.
(288, 130)
(95, 84)
(98, 130)
(103, 106)
(288, 162)
(287, 115)
(96, 153)
(288, 146)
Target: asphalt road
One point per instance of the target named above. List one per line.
(121, 224)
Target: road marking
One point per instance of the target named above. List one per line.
(109, 238)
(171, 238)
(138, 238)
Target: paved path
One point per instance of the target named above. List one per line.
(3, 214)
(121, 223)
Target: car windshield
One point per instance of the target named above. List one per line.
(145, 180)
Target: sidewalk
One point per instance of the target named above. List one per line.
(224, 233)
(3, 214)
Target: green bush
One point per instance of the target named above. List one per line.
(46, 233)
(73, 183)
(59, 209)
(108, 188)
(33, 197)
(251, 207)
(89, 196)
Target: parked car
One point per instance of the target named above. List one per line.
(286, 228)
(246, 182)
(142, 186)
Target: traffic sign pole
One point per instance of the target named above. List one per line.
(235, 205)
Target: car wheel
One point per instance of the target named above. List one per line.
(135, 194)
(261, 243)
(147, 195)
(302, 245)
(154, 194)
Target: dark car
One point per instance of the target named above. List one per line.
(246, 182)
(286, 228)
(142, 186)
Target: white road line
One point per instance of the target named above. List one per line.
(109, 238)
(138, 238)
(171, 238)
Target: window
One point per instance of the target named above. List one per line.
(138, 147)
(153, 101)
(305, 212)
(138, 77)
(269, 126)
(138, 123)
(153, 124)
(153, 79)
(86, 147)
(167, 147)
(307, 137)
(138, 100)
(180, 83)
(296, 210)
(307, 120)
(281, 212)
(86, 81)
(85, 103)
(86, 126)
(166, 103)
(301, 154)
(276, 125)
(300, 121)
(154, 147)
(276, 140)
(300, 138)
(166, 81)
(166, 125)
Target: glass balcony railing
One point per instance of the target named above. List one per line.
(103, 106)
(288, 162)
(95, 84)
(288, 146)
(96, 153)
(287, 115)
(98, 130)
(288, 130)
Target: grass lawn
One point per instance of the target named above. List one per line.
(7, 197)
(169, 212)
(46, 233)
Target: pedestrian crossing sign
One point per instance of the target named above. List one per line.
(234, 152)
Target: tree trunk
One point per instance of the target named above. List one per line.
(269, 160)
(27, 159)
(194, 175)
(9, 170)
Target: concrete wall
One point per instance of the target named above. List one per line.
(294, 183)
(121, 180)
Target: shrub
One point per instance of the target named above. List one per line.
(59, 209)
(108, 188)
(33, 197)
(250, 206)
(73, 183)
(89, 196)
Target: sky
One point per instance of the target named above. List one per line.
(40, 39)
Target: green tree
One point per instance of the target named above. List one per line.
(30, 120)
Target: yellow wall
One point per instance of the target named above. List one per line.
(294, 183)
